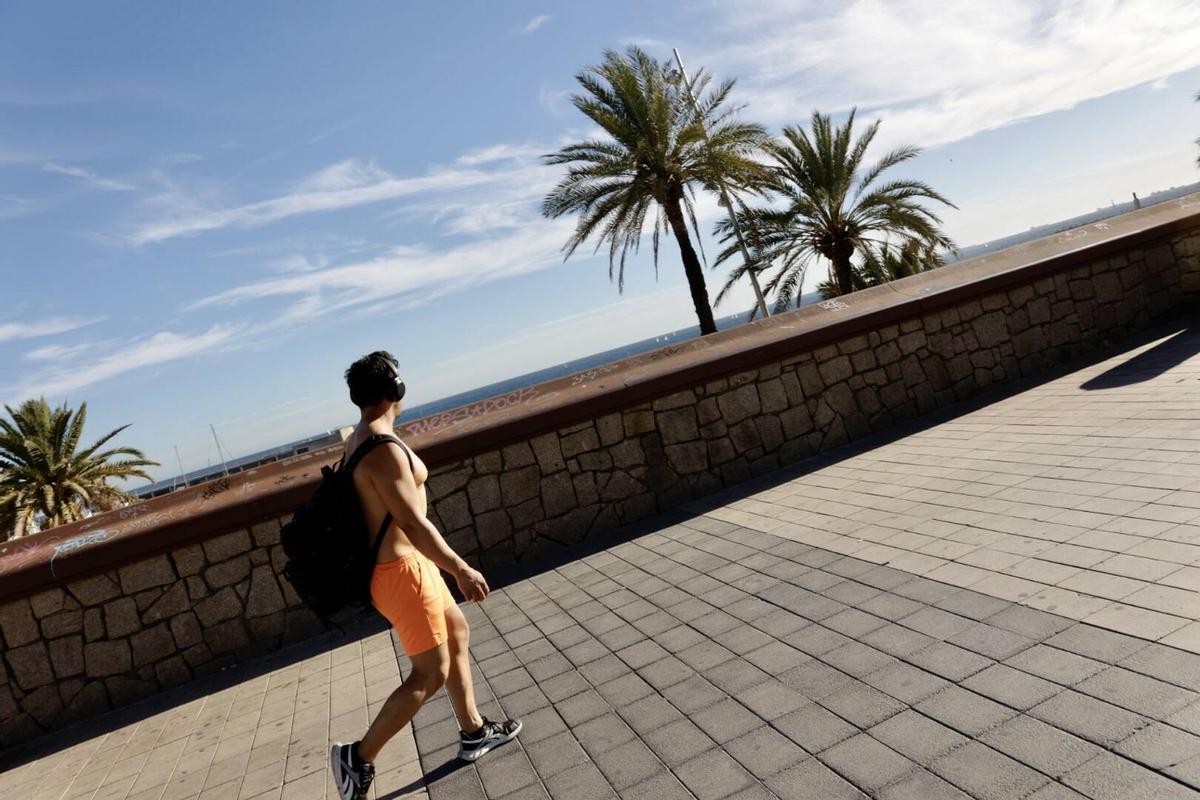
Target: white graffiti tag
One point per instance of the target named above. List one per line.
(80, 542)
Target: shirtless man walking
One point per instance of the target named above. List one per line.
(406, 586)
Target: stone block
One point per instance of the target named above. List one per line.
(678, 425)
(227, 546)
(739, 404)
(148, 573)
(493, 528)
(518, 455)
(519, 485)
(744, 436)
(558, 494)
(638, 422)
(583, 441)
(796, 422)
(680, 399)
(62, 623)
(835, 370)
(447, 480)
(484, 493)
(265, 596)
(266, 631)
(66, 656)
(770, 432)
(151, 645)
(598, 461)
(47, 602)
(488, 463)
(30, 665)
(627, 453)
(454, 511)
(772, 396)
(44, 705)
(527, 513)
(172, 671)
(548, 452)
(223, 605)
(188, 560)
(121, 618)
(688, 458)
(226, 637)
(620, 486)
(198, 589)
(228, 572)
(17, 622)
(610, 428)
(266, 533)
(173, 601)
(93, 624)
(586, 491)
(94, 590)
(911, 342)
(102, 659)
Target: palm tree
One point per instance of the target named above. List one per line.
(832, 208)
(44, 482)
(887, 263)
(659, 147)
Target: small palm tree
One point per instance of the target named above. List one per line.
(659, 147)
(887, 263)
(44, 482)
(832, 208)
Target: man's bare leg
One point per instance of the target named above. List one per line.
(429, 672)
(459, 683)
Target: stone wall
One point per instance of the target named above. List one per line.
(97, 643)
(559, 487)
(138, 623)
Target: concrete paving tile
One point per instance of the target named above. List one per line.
(1041, 746)
(867, 763)
(922, 785)
(987, 774)
(1140, 693)
(1160, 746)
(918, 737)
(1111, 777)
(1011, 687)
(1089, 718)
(659, 787)
(964, 711)
(811, 779)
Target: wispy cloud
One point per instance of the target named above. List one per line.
(535, 23)
(45, 327)
(88, 177)
(159, 348)
(939, 72)
(343, 185)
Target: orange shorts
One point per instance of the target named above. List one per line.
(411, 593)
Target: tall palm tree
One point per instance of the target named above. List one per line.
(44, 481)
(659, 147)
(832, 207)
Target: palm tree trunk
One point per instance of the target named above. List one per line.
(691, 265)
(843, 271)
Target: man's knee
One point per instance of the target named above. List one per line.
(428, 681)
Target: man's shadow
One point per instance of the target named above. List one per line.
(433, 776)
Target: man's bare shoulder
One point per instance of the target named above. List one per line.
(387, 459)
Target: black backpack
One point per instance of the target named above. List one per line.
(329, 563)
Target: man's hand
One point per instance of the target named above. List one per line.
(471, 583)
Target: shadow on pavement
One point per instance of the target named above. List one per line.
(1149, 364)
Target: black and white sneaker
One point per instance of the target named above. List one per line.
(351, 776)
(489, 736)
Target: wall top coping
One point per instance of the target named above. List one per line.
(272, 490)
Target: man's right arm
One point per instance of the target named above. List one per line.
(392, 478)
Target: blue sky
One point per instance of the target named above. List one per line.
(209, 210)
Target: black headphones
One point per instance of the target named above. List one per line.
(394, 388)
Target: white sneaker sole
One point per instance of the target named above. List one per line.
(483, 750)
(334, 764)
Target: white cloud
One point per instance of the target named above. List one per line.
(87, 176)
(159, 348)
(343, 185)
(941, 71)
(535, 23)
(45, 327)
(412, 273)
(499, 152)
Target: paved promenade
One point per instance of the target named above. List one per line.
(998, 605)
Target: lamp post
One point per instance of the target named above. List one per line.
(726, 200)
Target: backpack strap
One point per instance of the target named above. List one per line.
(359, 453)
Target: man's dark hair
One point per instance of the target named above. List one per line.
(372, 379)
